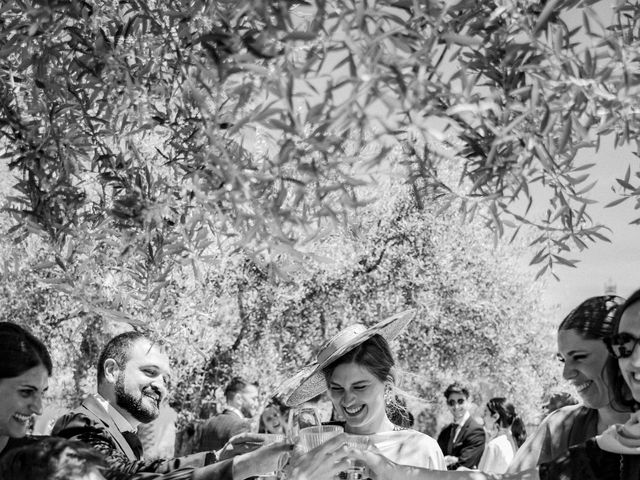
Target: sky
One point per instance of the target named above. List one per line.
(617, 262)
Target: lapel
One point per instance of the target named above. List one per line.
(463, 431)
(91, 406)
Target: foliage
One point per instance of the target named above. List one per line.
(158, 129)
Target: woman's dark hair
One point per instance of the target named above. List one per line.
(282, 409)
(595, 318)
(21, 351)
(507, 417)
(373, 354)
(621, 391)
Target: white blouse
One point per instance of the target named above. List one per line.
(410, 447)
(498, 454)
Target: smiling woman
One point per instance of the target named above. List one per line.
(25, 368)
(357, 367)
(587, 365)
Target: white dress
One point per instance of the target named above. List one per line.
(498, 454)
(410, 447)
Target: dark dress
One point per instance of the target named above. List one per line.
(589, 462)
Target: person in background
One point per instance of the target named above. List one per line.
(25, 369)
(273, 418)
(507, 433)
(357, 368)
(463, 440)
(587, 365)
(243, 400)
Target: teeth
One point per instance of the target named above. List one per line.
(353, 410)
(636, 376)
(583, 386)
(22, 418)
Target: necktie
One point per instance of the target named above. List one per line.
(134, 442)
(454, 430)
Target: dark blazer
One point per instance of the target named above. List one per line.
(217, 431)
(468, 447)
(91, 424)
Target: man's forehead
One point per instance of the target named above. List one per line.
(145, 351)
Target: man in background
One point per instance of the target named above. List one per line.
(243, 399)
(463, 440)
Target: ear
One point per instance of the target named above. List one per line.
(111, 370)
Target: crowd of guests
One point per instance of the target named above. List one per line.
(598, 438)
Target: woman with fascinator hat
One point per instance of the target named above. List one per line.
(357, 368)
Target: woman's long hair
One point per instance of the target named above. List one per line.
(508, 418)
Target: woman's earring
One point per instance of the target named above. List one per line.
(387, 393)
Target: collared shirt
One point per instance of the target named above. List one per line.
(235, 410)
(462, 421)
(122, 423)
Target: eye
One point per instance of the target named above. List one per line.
(577, 358)
(360, 387)
(336, 388)
(150, 372)
(25, 393)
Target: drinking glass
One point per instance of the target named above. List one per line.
(312, 437)
(356, 471)
(301, 417)
(270, 438)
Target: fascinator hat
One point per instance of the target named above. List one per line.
(310, 381)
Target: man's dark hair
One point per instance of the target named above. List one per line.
(236, 385)
(118, 348)
(50, 459)
(456, 388)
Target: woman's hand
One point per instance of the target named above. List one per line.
(321, 463)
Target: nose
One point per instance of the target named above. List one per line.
(635, 356)
(348, 398)
(568, 372)
(36, 405)
(160, 383)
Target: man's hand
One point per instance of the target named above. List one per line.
(240, 444)
(261, 461)
(450, 460)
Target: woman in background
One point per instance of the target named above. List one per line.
(507, 433)
(272, 418)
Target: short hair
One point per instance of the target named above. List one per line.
(21, 351)
(52, 458)
(456, 388)
(236, 385)
(373, 354)
(118, 348)
(595, 318)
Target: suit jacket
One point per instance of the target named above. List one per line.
(91, 424)
(468, 446)
(217, 431)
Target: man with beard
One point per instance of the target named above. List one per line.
(242, 404)
(133, 374)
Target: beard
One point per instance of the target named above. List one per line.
(135, 405)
